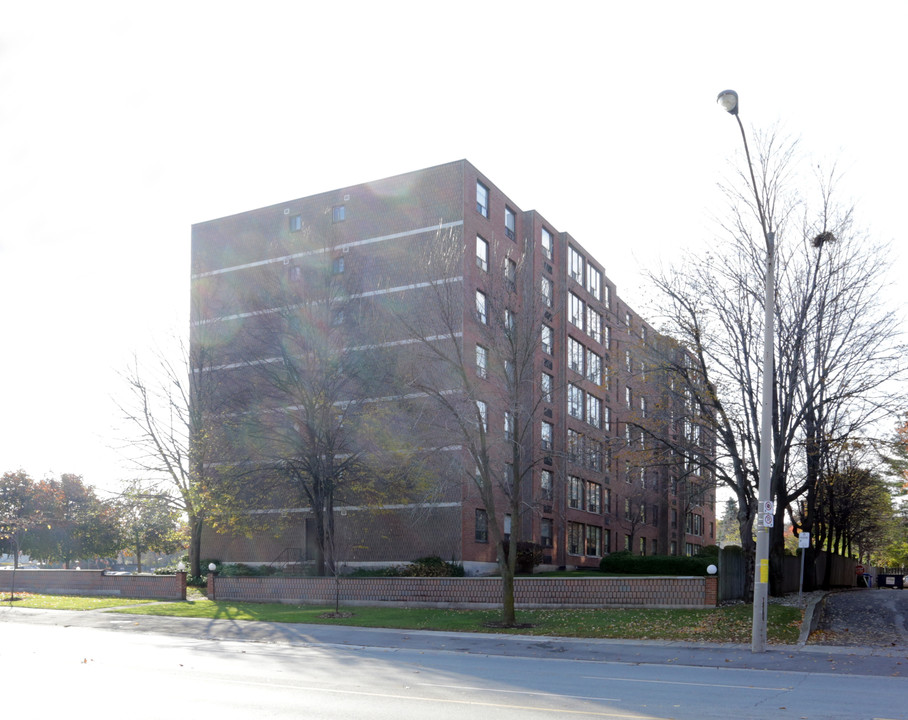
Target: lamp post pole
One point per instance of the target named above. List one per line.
(728, 99)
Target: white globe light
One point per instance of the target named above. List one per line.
(712, 569)
(212, 567)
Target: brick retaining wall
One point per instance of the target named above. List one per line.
(95, 582)
(636, 592)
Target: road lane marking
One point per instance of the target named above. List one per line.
(551, 696)
(693, 684)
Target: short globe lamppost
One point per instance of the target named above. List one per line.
(728, 99)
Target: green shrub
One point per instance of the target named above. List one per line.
(627, 563)
(432, 566)
(709, 551)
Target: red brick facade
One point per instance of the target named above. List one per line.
(464, 593)
(97, 583)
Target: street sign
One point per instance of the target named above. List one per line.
(804, 540)
(765, 520)
(769, 507)
(858, 569)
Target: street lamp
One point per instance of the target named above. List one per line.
(728, 99)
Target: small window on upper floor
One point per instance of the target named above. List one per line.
(575, 265)
(547, 244)
(296, 274)
(594, 282)
(482, 254)
(482, 199)
(296, 223)
(337, 265)
(338, 213)
(510, 223)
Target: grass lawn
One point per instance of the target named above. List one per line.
(724, 624)
(66, 602)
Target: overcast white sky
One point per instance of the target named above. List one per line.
(121, 124)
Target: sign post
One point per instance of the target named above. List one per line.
(803, 544)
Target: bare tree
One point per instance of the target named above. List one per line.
(477, 366)
(836, 349)
(177, 418)
(324, 390)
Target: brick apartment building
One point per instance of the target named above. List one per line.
(600, 479)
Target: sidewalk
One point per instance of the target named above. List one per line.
(785, 658)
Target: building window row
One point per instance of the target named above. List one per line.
(584, 451)
(584, 539)
(584, 406)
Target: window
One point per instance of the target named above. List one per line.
(482, 254)
(575, 538)
(627, 509)
(482, 199)
(545, 385)
(337, 265)
(593, 410)
(482, 415)
(643, 546)
(545, 484)
(482, 526)
(593, 540)
(509, 479)
(593, 367)
(654, 547)
(296, 223)
(338, 213)
(510, 273)
(547, 243)
(546, 436)
(594, 497)
(594, 454)
(627, 361)
(594, 324)
(545, 532)
(508, 427)
(673, 547)
(627, 320)
(547, 290)
(481, 307)
(643, 333)
(607, 417)
(576, 311)
(575, 265)
(607, 500)
(628, 397)
(575, 446)
(510, 223)
(608, 296)
(575, 356)
(627, 542)
(482, 361)
(674, 521)
(575, 493)
(594, 282)
(607, 337)
(507, 528)
(510, 323)
(643, 407)
(694, 524)
(575, 401)
(606, 542)
(547, 339)
(296, 274)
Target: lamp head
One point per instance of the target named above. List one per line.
(728, 99)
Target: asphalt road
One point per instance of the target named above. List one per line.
(99, 665)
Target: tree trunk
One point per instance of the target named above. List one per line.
(195, 546)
